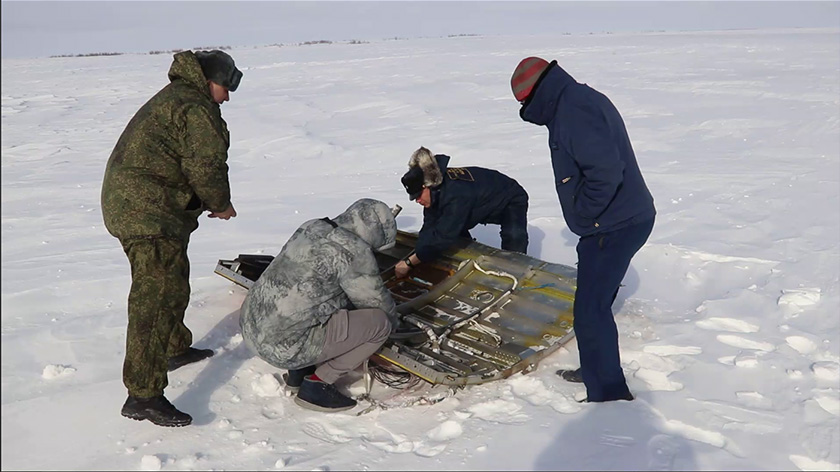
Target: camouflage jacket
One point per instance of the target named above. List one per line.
(169, 164)
(321, 270)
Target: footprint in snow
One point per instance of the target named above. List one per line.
(662, 449)
(326, 432)
(819, 440)
(272, 412)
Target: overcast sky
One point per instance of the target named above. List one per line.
(36, 28)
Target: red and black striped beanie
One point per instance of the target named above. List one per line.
(526, 75)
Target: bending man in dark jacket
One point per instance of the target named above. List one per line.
(457, 199)
(169, 166)
(605, 201)
(321, 309)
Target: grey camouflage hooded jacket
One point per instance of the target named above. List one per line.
(321, 270)
(170, 162)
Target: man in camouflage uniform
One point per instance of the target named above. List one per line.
(168, 167)
(321, 309)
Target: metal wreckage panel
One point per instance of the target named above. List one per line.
(476, 315)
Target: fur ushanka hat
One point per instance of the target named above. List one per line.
(423, 171)
(219, 67)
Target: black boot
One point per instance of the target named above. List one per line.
(294, 377)
(571, 375)
(320, 396)
(188, 357)
(627, 397)
(158, 410)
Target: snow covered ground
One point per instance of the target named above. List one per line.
(729, 322)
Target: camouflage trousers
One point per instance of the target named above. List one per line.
(160, 293)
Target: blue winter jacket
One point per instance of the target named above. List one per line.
(595, 171)
(468, 196)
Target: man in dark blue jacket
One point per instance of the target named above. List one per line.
(455, 200)
(605, 201)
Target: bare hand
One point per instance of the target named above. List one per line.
(401, 269)
(229, 213)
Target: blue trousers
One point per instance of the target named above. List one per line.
(603, 260)
(513, 220)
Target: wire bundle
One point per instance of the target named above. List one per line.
(394, 378)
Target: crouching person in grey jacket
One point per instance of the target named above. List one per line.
(320, 309)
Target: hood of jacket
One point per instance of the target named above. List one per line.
(372, 221)
(442, 161)
(185, 67)
(541, 107)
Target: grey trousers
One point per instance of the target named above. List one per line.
(352, 337)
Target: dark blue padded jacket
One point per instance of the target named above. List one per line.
(596, 174)
(467, 197)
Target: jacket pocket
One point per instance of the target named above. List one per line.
(338, 327)
(566, 175)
